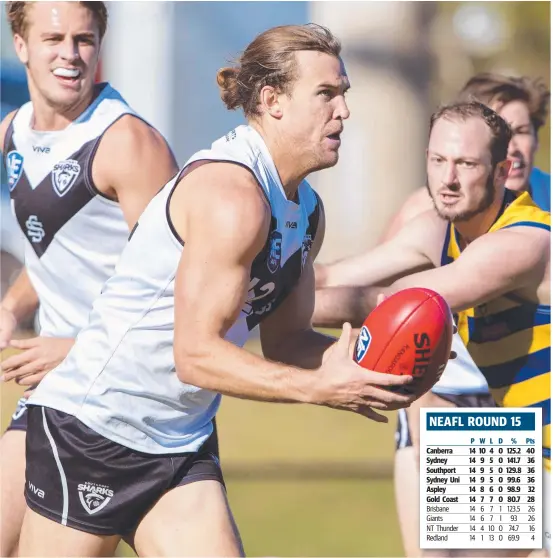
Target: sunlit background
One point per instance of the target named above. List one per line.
(307, 481)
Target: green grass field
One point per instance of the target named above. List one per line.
(302, 481)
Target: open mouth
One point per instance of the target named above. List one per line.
(517, 167)
(67, 75)
(449, 198)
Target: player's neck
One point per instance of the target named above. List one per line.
(479, 224)
(286, 162)
(47, 118)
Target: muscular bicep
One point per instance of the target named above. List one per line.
(497, 263)
(145, 163)
(226, 226)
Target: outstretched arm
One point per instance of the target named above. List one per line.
(494, 264)
(417, 246)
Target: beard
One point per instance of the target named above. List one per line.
(462, 216)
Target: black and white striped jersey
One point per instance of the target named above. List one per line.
(120, 378)
(74, 234)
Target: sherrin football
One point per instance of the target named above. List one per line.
(410, 332)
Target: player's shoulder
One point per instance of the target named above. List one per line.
(140, 148)
(426, 224)
(131, 134)
(223, 200)
(417, 203)
(225, 184)
(4, 125)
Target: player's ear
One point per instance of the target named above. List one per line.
(502, 170)
(20, 47)
(269, 99)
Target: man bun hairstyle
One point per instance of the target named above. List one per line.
(269, 60)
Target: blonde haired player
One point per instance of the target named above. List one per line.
(82, 165)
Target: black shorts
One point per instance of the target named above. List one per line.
(19, 421)
(80, 479)
(19, 417)
(403, 434)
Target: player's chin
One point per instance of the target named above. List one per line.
(517, 184)
(329, 159)
(448, 213)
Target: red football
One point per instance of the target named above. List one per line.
(410, 332)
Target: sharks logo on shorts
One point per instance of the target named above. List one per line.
(64, 175)
(94, 497)
(275, 251)
(363, 343)
(14, 166)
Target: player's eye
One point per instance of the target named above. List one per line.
(468, 164)
(86, 40)
(521, 131)
(326, 93)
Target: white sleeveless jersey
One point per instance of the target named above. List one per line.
(120, 377)
(74, 234)
(461, 375)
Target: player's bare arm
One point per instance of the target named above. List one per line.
(20, 301)
(415, 247)
(505, 264)
(222, 216)
(287, 335)
(417, 203)
(144, 163)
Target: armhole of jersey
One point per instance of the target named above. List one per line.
(317, 214)
(90, 161)
(445, 258)
(8, 137)
(187, 170)
(535, 224)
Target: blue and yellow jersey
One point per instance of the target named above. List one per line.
(509, 338)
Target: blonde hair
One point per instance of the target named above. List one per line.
(270, 60)
(17, 16)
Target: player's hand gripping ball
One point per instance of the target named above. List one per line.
(409, 332)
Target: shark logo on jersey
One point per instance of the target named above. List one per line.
(64, 175)
(94, 497)
(275, 249)
(14, 166)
